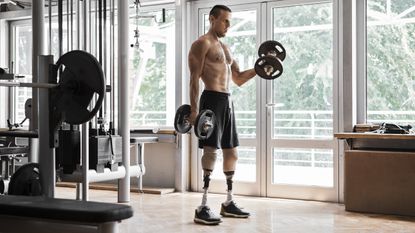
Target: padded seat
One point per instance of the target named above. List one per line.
(63, 211)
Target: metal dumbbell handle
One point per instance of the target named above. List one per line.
(207, 125)
(32, 85)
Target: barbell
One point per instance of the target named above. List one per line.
(269, 64)
(80, 78)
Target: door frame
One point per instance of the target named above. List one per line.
(263, 161)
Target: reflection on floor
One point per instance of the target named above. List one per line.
(174, 213)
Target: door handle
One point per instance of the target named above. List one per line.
(272, 105)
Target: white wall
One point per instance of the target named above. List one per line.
(160, 165)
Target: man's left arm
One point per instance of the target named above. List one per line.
(241, 77)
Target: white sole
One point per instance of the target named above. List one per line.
(224, 214)
(201, 221)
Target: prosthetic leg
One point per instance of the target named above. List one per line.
(203, 214)
(229, 207)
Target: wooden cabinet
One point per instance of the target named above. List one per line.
(379, 173)
(380, 182)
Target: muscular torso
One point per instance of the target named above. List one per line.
(216, 71)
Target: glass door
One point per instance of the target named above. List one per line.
(301, 156)
(285, 125)
(242, 40)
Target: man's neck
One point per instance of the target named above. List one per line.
(213, 34)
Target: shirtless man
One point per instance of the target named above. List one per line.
(211, 61)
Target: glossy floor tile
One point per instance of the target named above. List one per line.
(174, 213)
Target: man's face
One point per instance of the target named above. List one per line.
(222, 23)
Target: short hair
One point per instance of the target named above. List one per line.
(215, 11)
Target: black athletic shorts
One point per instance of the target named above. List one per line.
(224, 135)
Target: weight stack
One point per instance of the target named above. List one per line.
(68, 153)
(101, 155)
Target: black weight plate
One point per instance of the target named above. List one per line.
(181, 123)
(272, 48)
(265, 62)
(26, 181)
(82, 77)
(205, 124)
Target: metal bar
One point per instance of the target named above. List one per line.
(104, 62)
(78, 25)
(111, 123)
(106, 175)
(89, 37)
(38, 48)
(32, 85)
(96, 28)
(50, 27)
(60, 31)
(71, 3)
(85, 176)
(100, 32)
(46, 154)
(100, 40)
(69, 33)
(85, 25)
(124, 110)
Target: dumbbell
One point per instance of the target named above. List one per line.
(269, 64)
(204, 124)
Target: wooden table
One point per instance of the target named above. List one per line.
(400, 142)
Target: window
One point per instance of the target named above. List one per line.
(390, 61)
(22, 66)
(305, 95)
(152, 74)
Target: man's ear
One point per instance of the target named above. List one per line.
(211, 18)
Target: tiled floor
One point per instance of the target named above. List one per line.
(174, 213)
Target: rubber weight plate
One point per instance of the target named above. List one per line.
(82, 78)
(268, 67)
(26, 181)
(181, 122)
(272, 48)
(205, 124)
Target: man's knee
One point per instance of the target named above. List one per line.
(230, 156)
(209, 157)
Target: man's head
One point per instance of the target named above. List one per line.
(219, 18)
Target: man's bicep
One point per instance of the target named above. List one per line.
(235, 69)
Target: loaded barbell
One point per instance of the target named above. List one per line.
(204, 124)
(81, 77)
(269, 64)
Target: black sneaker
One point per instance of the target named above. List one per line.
(206, 216)
(232, 210)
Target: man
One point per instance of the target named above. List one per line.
(211, 61)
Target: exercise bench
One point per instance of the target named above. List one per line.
(47, 215)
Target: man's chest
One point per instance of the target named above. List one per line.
(220, 55)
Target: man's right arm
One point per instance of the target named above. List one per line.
(196, 61)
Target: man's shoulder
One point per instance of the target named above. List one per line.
(203, 41)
